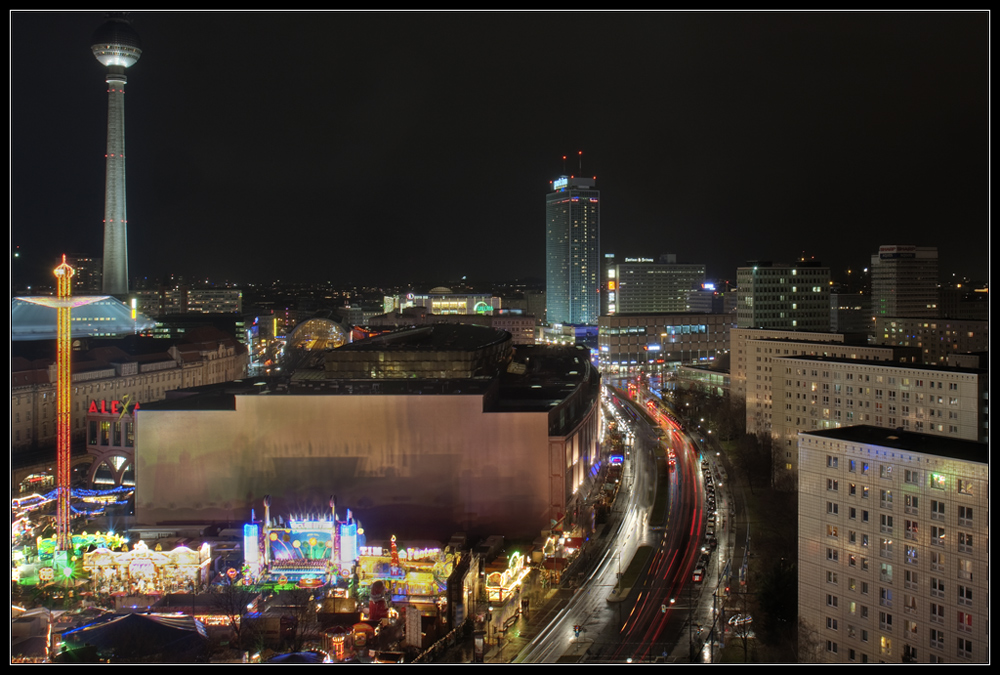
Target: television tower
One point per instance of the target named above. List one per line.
(116, 46)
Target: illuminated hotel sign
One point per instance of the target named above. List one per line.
(639, 260)
(560, 183)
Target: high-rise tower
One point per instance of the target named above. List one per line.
(116, 46)
(573, 251)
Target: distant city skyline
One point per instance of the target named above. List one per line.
(388, 147)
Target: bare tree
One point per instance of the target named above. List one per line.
(235, 601)
(810, 644)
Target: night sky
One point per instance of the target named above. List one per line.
(384, 147)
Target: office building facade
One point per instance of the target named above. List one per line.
(905, 281)
(572, 251)
(646, 286)
(893, 548)
(783, 297)
(652, 343)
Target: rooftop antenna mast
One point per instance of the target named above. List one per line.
(581, 161)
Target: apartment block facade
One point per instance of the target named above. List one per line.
(812, 393)
(893, 547)
(753, 351)
(936, 338)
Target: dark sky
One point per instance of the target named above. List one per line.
(386, 147)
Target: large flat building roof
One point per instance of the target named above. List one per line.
(930, 368)
(928, 444)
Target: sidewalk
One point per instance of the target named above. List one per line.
(546, 605)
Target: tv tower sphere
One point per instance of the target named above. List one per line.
(116, 43)
(116, 46)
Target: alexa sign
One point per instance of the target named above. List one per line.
(113, 407)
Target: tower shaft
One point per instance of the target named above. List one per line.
(115, 239)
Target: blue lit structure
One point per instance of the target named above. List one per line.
(103, 316)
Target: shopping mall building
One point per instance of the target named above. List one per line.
(504, 449)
